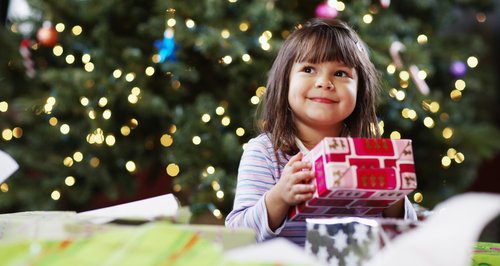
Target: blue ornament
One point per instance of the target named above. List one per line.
(167, 46)
(458, 68)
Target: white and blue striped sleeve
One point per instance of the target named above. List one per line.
(256, 176)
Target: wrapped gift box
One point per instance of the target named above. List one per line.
(342, 241)
(486, 253)
(357, 177)
(227, 238)
(154, 243)
(390, 228)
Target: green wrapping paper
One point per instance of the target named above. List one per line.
(226, 238)
(150, 244)
(486, 254)
(65, 238)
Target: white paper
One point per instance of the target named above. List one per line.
(7, 166)
(447, 237)
(146, 209)
(277, 251)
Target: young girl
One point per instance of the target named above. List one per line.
(322, 84)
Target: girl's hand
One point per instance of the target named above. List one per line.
(294, 187)
(295, 184)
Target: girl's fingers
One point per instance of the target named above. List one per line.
(299, 198)
(299, 178)
(299, 166)
(296, 164)
(296, 158)
(304, 176)
(304, 188)
(299, 193)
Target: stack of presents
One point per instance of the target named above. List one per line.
(356, 179)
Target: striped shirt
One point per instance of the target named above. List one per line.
(258, 172)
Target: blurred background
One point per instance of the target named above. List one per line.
(105, 102)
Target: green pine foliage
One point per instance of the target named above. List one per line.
(121, 35)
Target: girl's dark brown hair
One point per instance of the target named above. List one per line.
(317, 41)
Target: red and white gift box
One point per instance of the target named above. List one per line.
(357, 177)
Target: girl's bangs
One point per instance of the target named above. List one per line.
(326, 45)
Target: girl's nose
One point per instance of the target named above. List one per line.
(324, 83)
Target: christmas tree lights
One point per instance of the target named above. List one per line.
(123, 97)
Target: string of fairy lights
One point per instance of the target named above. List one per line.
(430, 117)
(99, 137)
(429, 106)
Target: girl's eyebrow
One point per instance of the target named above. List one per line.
(338, 63)
(303, 62)
(341, 63)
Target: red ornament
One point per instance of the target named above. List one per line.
(47, 35)
(326, 10)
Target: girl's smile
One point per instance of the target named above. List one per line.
(325, 100)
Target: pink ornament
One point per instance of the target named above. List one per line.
(324, 10)
(385, 3)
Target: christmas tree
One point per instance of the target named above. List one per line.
(111, 101)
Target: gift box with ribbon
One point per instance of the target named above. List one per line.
(357, 177)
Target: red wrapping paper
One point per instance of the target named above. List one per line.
(357, 177)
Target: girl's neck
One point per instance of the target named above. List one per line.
(311, 137)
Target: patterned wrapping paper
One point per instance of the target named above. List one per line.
(486, 254)
(346, 241)
(357, 177)
(390, 228)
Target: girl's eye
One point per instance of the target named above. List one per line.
(341, 74)
(308, 69)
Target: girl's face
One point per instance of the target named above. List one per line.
(322, 95)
